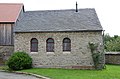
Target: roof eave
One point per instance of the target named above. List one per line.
(7, 22)
(58, 31)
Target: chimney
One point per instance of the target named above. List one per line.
(76, 7)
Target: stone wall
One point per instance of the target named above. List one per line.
(79, 57)
(5, 53)
(112, 58)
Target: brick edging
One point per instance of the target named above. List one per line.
(26, 73)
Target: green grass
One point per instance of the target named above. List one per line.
(111, 72)
(4, 68)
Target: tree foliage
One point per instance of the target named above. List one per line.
(112, 43)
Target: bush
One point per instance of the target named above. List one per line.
(19, 61)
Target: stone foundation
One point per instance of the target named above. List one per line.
(70, 67)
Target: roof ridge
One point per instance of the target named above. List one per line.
(61, 10)
(12, 3)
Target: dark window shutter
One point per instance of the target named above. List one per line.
(50, 45)
(66, 44)
(34, 45)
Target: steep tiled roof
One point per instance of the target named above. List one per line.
(59, 20)
(9, 12)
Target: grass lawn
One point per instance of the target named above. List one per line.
(111, 72)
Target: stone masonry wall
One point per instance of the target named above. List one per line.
(112, 58)
(79, 57)
(5, 53)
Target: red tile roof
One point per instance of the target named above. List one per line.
(9, 12)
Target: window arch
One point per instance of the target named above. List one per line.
(34, 45)
(50, 45)
(66, 44)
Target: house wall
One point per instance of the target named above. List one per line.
(5, 52)
(6, 34)
(79, 57)
(6, 41)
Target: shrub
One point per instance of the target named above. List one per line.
(96, 55)
(19, 61)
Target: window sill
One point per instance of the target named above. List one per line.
(66, 52)
(34, 52)
(50, 53)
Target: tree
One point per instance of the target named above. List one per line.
(112, 43)
(107, 37)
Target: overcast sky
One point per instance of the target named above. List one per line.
(108, 11)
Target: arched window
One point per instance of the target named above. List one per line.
(34, 45)
(50, 45)
(66, 44)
